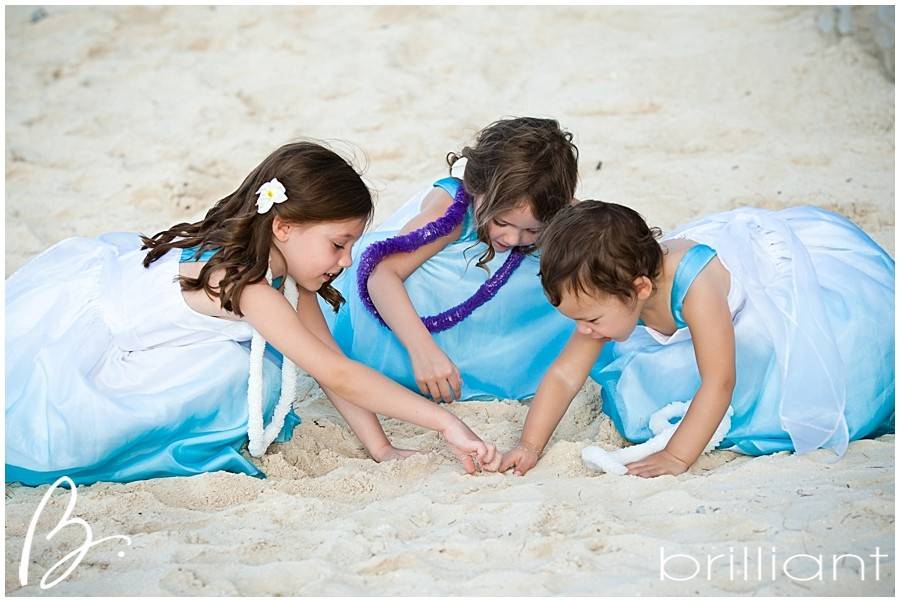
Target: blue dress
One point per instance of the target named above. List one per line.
(110, 376)
(502, 349)
(812, 302)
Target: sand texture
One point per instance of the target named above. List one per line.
(124, 119)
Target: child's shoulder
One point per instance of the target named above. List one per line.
(437, 200)
(687, 254)
(695, 276)
(434, 205)
(674, 250)
(201, 302)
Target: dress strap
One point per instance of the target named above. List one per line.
(194, 254)
(450, 185)
(691, 264)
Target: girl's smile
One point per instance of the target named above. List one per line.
(314, 253)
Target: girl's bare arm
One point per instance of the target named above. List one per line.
(554, 395)
(708, 316)
(363, 422)
(271, 314)
(434, 372)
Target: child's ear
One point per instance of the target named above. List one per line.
(280, 229)
(643, 286)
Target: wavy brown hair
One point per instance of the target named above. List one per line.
(597, 246)
(320, 186)
(514, 159)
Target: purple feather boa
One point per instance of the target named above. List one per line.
(414, 240)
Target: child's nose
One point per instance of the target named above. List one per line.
(346, 261)
(584, 329)
(511, 239)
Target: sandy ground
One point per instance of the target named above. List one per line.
(134, 118)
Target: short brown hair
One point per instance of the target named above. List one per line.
(519, 157)
(596, 246)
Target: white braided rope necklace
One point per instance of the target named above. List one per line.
(261, 438)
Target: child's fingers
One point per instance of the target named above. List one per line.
(468, 463)
(526, 464)
(429, 389)
(650, 472)
(475, 461)
(493, 465)
(456, 384)
(446, 394)
(433, 390)
(507, 461)
(641, 468)
(488, 456)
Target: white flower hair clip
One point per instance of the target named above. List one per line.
(270, 193)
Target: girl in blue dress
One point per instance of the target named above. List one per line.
(127, 355)
(786, 317)
(444, 296)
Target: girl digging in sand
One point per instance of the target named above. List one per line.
(786, 317)
(124, 354)
(421, 309)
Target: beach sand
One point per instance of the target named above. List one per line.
(123, 119)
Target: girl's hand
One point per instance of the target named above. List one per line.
(523, 457)
(389, 452)
(468, 447)
(493, 465)
(659, 463)
(436, 374)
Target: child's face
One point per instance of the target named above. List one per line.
(515, 227)
(601, 316)
(316, 252)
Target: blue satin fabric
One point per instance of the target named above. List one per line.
(84, 400)
(814, 336)
(691, 264)
(194, 254)
(191, 255)
(502, 349)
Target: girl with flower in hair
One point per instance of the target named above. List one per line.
(444, 297)
(765, 331)
(126, 355)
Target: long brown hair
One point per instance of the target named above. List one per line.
(597, 246)
(514, 159)
(320, 186)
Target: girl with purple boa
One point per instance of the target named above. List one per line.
(444, 297)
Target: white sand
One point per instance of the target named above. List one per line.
(133, 118)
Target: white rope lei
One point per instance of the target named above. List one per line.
(260, 438)
(661, 426)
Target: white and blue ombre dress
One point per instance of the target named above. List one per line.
(502, 349)
(812, 302)
(110, 376)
